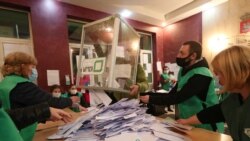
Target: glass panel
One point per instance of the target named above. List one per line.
(126, 56)
(145, 42)
(14, 24)
(98, 40)
(74, 53)
(75, 31)
(99, 53)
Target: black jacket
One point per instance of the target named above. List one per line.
(23, 117)
(197, 85)
(28, 94)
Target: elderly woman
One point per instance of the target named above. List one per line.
(18, 91)
(232, 68)
(23, 117)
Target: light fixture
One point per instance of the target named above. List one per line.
(217, 43)
(126, 13)
(108, 29)
(163, 24)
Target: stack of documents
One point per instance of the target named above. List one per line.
(124, 120)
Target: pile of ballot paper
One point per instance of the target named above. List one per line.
(125, 115)
(125, 120)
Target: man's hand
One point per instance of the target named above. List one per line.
(134, 89)
(144, 99)
(58, 114)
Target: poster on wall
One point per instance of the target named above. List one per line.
(53, 77)
(245, 26)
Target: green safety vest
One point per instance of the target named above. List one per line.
(166, 85)
(194, 105)
(237, 117)
(7, 84)
(8, 131)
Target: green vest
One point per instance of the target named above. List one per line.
(8, 131)
(237, 117)
(166, 85)
(194, 105)
(7, 84)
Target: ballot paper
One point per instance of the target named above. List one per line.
(125, 120)
(180, 127)
(133, 136)
(99, 96)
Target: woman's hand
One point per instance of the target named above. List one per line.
(191, 120)
(58, 114)
(182, 121)
(83, 109)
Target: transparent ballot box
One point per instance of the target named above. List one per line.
(108, 56)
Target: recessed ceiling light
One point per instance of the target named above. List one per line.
(163, 24)
(126, 13)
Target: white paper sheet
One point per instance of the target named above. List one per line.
(174, 68)
(99, 96)
(145, 58)
(120, 51)
(159, 67)
(53, 77)
(149, 68)
(122, 71)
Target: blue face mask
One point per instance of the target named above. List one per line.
(217, 82)
(33, 76)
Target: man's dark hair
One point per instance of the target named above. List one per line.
(194, 47)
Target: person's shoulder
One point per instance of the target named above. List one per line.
(65, 95)
(79, 94)
(27, 84)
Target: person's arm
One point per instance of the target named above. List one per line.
(161, 80)
(23, 117)
(27, 94)
(212, 114)
(141, 82)
(141, 79)
(195, 86)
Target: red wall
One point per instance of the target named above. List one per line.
(49, 29)
(176, 34)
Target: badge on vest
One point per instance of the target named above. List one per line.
(247, 132)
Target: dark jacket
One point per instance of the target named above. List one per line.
(27, 94)
(23, 117)
(197, 85)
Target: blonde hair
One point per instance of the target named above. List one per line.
(13, 62)
(234, 64)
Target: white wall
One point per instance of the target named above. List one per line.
(220, 24)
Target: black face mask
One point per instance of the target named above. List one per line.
(183, 62)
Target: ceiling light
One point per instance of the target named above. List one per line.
(126, 13)
(108, 29)
(163, 24)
